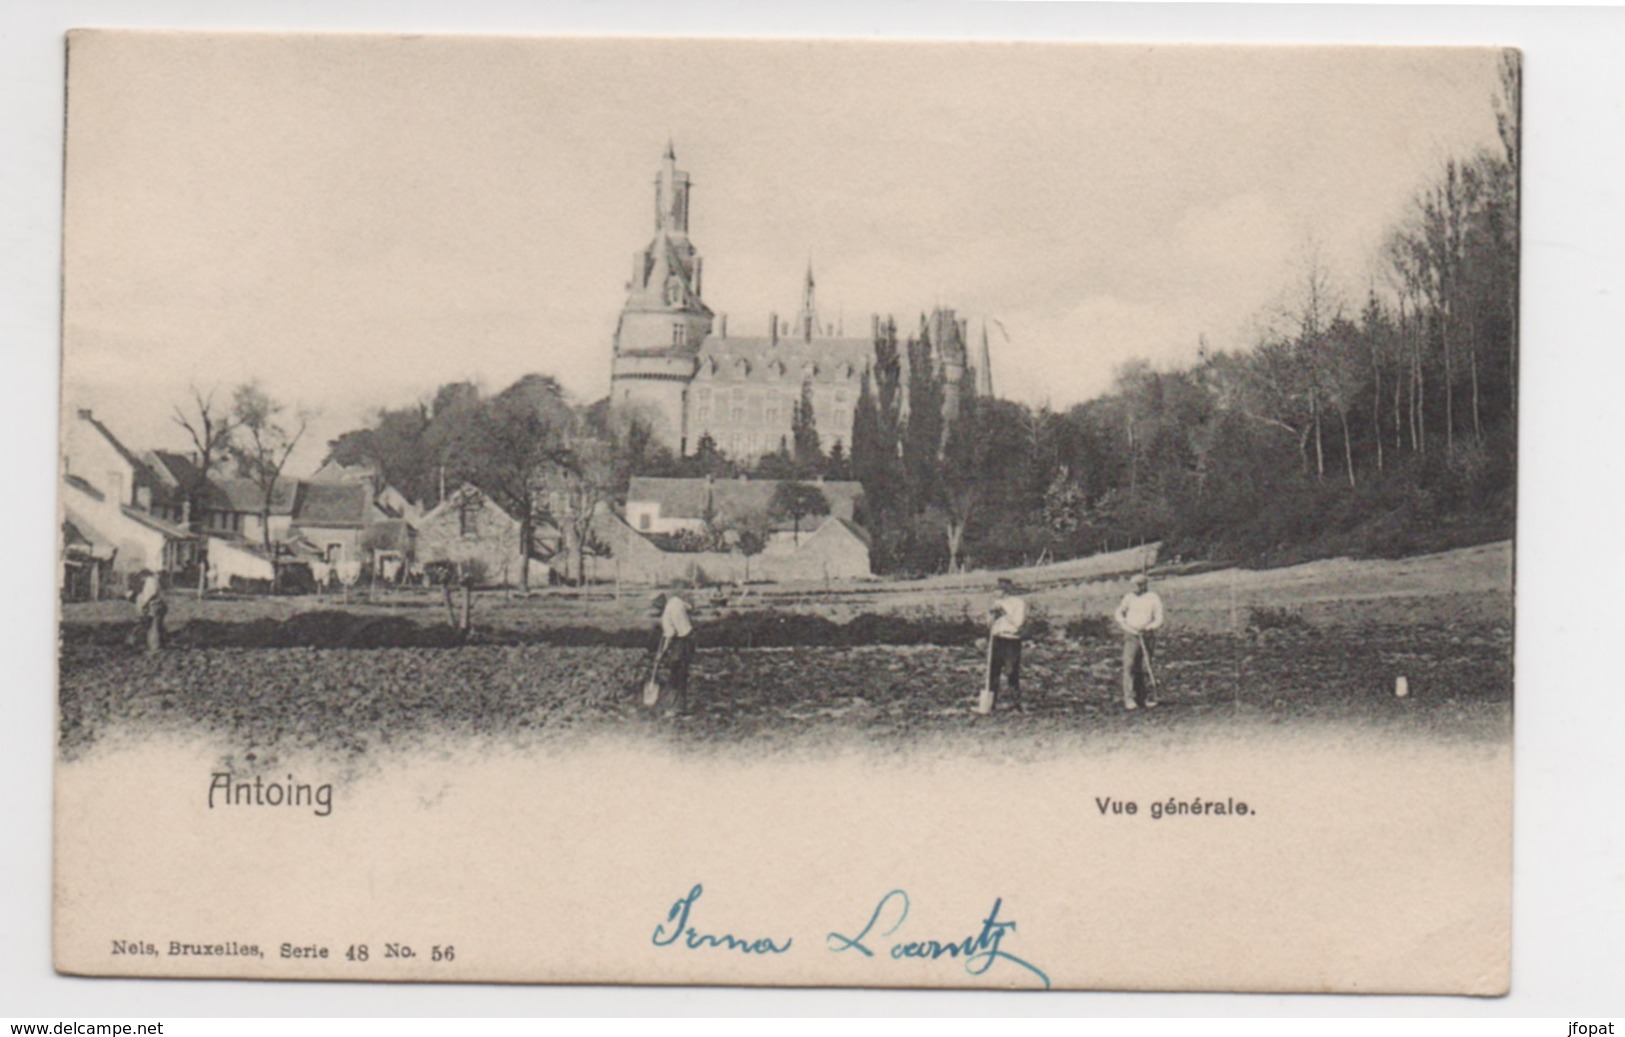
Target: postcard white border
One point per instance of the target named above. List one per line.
(1569, 916)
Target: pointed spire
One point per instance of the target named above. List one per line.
(671, 151)
(984, 367)
(808, 318)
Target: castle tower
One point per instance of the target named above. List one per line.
(664, 320)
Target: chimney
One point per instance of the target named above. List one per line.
(874, 325)
(699, 269)
(722, 325)
(773, 319)
(84, 414)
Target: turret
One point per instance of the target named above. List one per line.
(664, 319)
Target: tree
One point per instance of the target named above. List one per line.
(510, 445)
(262, 449)
(748, 534)
(708, 459)
(921, 430)
(837, 467)
(984, 472)
(796, 501)
(210, 431)
(806, 452)
(397, 449)
(780, 464)
(586, 479)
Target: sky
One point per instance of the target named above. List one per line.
(356, 220)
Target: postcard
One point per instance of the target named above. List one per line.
(787, 513)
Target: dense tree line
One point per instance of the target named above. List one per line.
(1384, 424)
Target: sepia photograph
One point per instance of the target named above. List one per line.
(788, 512)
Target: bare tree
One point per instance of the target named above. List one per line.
(210, 431)
(585, 477)
(262, 449)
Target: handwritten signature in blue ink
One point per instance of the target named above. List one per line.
(980, 952)
(676, 928)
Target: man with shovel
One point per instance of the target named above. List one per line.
(1006, 617)
(1139, 616)
(676, 645)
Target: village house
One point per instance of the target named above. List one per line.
(122, 539)
(333, 518)
(119, 516)
(92, 454)
(390, 502)
(124, 512)
(470, 530)
(331, 526)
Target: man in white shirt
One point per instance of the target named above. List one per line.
(676, 646)
(1139, 616)
(1007, 615)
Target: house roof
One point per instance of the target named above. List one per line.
(235, 493)
(732, 498)
(151, 521)
(855, 529)
(142, 469)
(84, 487)
(331, 504)
(390, 535)
(333, 471)
(174, 468)
(454, 501)
(80, 537)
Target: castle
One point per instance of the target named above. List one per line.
(677, 369)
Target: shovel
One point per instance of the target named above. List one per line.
(651, 688)
(1150, 674)
(984, 699)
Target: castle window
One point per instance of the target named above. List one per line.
(679, 334)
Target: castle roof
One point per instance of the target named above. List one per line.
(790, 359)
